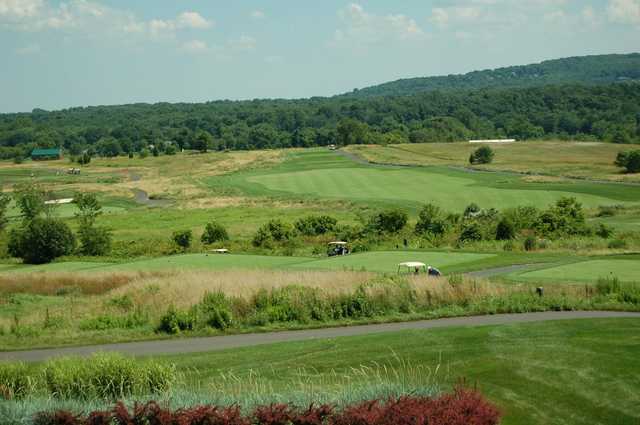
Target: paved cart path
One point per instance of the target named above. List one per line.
(197, 345)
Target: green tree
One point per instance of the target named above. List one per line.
(505, 230)
(431, 221)
(183, 238)
(273, 231)
(351, 132)
(389, 221)
(630, 160)
(202, 141)
(41, 241)
(214, 232)
(482, 155)
(94, 241)
(4, 207)
(314, 225)
(30, 199)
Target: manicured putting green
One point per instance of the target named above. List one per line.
(387, 261)
(411, 185)
(588, 271)
(208, 261)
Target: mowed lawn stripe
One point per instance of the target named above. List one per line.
(387, 261)
(451, 189)
(588, 271)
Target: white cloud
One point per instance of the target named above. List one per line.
(624, 11)
(194, 46)
(243, 43)
(363, 28)
(20, 8)
(193, 20)
(257, 14)
(30, 49)
(92, 19)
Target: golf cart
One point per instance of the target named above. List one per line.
(337, 248)
(412, 267)
(416, 267)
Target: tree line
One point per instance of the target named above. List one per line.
(609, 113)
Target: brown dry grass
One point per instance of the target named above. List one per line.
(184, 289)
(54, 283)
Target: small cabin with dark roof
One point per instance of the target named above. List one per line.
(44, 154)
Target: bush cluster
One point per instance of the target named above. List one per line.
(461, 407)
(103, 376)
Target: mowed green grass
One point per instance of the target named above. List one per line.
(208, 262)
(588, 271)
(387, 261)
(324, 174)
(562, 372)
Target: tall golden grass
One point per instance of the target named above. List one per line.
(56, 283)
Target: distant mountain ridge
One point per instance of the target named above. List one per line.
(589, 70)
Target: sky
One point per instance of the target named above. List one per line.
(59, 54)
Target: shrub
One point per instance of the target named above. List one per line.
(618, 244)
(431, 221)
(530, 243)
(505, 230)
(604, 231)
(214, 310)
(315, 225)
(462, 407)
(183, 238)
(94, 241)
(274, 230)
(390, 221)
(107, 321)
(174, 321)
(214, 232)
(482, 155)
(41, 241)
(106, 376)
(470, 233)
(630, 160)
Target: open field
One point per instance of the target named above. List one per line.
(323, 174)
(553, 372)
(557, 158)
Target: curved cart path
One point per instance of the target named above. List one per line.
(197, 345)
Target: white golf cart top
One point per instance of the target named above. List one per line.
(337, 243)
(412, 265)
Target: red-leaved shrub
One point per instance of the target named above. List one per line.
(462, 407)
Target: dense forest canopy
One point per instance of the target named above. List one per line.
(588, 70)
(602, 112)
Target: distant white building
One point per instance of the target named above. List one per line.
(493, 141)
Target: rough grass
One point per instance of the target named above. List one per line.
(556, 158)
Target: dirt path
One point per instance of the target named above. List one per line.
(197, 345)
(142, 197)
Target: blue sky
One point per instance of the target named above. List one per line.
(59, 54)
